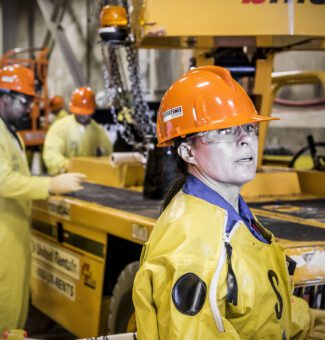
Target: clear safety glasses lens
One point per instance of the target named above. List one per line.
(24, 101)
(228, 135)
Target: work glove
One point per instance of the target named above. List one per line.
(317, 325)
(66, 183)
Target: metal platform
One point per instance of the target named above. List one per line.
(134, 202)
(121, 199)
(311, 209)
(292, 231)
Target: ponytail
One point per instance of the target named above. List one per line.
(179, 182)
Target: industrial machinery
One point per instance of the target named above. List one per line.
(33, 131)
(86, 246)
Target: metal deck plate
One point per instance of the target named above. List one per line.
(121, 199)
(292, 231)
(313, 209)
(134, 202)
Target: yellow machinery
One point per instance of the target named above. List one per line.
(280, 79)
(86, 245)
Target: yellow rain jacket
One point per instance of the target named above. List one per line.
(62, 113)
(200, 280)
(67, 138)
(17, 189)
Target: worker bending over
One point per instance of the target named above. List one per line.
(57, 110)
(75, 135)
(17, 189)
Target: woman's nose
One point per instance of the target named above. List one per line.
(243, 137)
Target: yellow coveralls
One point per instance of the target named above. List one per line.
(67, 138)
(62, 113)
(17, 189)
(180, 290)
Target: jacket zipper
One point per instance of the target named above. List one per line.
(213, 288)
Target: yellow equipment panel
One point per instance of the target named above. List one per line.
(247, 22)
(67, 273)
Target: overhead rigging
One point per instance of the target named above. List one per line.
(127, 107)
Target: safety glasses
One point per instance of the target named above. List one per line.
(228, 135)
(23, 100)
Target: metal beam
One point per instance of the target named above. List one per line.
(59, 36)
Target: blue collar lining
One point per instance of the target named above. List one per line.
(193, 186)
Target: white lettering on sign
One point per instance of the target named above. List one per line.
(60, 284)
(59, 258)
(172, 113)
(7, 79)
(139, 232)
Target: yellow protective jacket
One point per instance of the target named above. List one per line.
(62, 113)
(182, 288)
(17, 189)
(67, 138)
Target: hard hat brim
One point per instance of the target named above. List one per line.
(230, 122)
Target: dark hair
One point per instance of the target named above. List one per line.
(179, 182)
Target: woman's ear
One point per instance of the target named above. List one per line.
(185, 151)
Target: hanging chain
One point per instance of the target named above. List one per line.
(118, 99)
(141, 111)
(114, 98)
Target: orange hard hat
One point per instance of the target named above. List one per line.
(205, 98)
(113, 16)
(56, 103)
(17, 78)
(82, 101)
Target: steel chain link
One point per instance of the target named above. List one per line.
(116, 93)
(113, 100)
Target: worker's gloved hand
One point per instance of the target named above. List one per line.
(317, 324)
(66, 183)
(67, 166)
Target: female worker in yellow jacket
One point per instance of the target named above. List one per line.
(210, 270)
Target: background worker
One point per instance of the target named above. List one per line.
(210, 270)
(17, 189)
(57, 110)
(75, 135)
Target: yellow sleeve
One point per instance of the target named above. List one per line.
(145, 310)
(53, 151)
(156, 311)
(17, 186)
(105, 143)
(300, 317)
(317, 324)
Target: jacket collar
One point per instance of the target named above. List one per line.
(193, 186)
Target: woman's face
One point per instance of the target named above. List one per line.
(227, 159)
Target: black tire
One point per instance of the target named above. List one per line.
(121, 306)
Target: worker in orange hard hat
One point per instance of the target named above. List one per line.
(210, 269)
(17, 189)
(75, 135)
(57, 110)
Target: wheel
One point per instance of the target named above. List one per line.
(121, 310)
